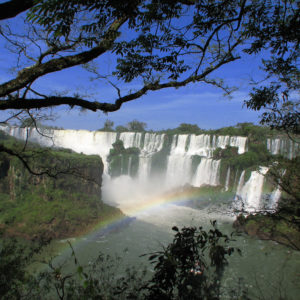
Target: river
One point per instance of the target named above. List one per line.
(266, 269)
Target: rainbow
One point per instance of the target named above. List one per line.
(116, 223)
(179, 196)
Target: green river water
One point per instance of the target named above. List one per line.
(268, 270)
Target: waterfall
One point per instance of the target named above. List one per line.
(239, 142)
(131, 139)
(129, 165)
(178, 170)
(179, 163)
(184, 146)
(144, 168)
(153, 142)
(274, 198)
(283, 146)
(81, 141)
(251, 191)
(222, 141)
(241, 183)
(227, 180)
(200, 145)
(207, 173)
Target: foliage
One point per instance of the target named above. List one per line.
(27, 123)
(282, 227)
(280, 114)
(191, 267)
(159, 52)
(118, 148)
(255, 133)
(256, 156)
(121, 128)
(185, 128)
(228, 152)
(136, 126)
(57, 206)
(15, 280)
(108, 125)
(277, 28)
(123, 160)
(284, 173)
(176, 273)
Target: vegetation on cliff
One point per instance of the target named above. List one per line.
(61, 205)
(123, 161)
(282, 228)
(283, 224)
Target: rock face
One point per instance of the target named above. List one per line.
(56, 207)
(278, 228)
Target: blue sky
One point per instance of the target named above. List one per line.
(196, 103)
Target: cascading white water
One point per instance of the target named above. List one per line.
(131, 139)
(239, 142)
(144, 168)
(200, 145)
(285, 147)
(274, 198)
(241, 182)
(207, 172)
(222, 141)
(153, 142)
(179, 163)
(178, 170)
(227, 180)
(251, 191)
(81, 141)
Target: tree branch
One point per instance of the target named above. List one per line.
(52, 172)
(28, 75)
(24, 162)
(12, 8)
(19, 103)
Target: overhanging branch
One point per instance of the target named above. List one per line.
(28, 75)
(51, 101)
(12, 8)
(53, 172)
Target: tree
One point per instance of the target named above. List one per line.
(121, 128)
(284, 173)
(181, 270)
(136, 125)
(190, 267)
(280, 32)
(168, 44)
(188, 128)
(100, 33)
(108, 125)
(28, 122)
(158, 53)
